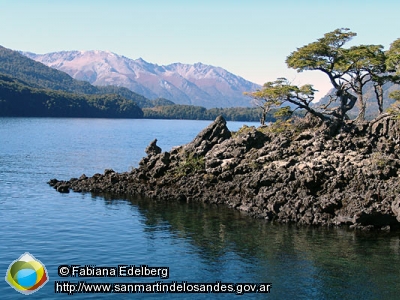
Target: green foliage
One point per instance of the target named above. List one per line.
(21, 100)
(140, 100)
(394, 109)
(283, 113)
(368, 58)
(348, 69)
(323, 54)
(37, 75)
(393, 57)
(276, 93)
(190, 165)
(395, 95)
(190, 112)
(280, 126)
(255, 165)
(161, 102)
(379, 160)
(237, 114)
(243, 130)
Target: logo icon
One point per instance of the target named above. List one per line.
(27, 274)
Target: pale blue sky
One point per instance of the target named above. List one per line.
(250, 38)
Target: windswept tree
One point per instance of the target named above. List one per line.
(327, 55)
(363, 64)
(348, 69)
(280, 92)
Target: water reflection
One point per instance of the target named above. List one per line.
(300, 261)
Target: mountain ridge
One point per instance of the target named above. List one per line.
(39, 75)
(195, 84)
(29, 88)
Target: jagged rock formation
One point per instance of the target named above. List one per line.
(312, 177)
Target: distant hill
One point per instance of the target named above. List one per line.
(29, 88)
(198, 84)
(38, 75)
(18, 99)
(162, 102)
(191, 112)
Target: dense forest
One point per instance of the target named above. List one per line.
(189, 112)
(37, 75)
(20, 100)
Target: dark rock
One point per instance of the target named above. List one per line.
(108, 171)
(396, 208)
(63, 189)
(52, 182)
(214, 134)
(325, 176)
(161, 165)
(114, 179)
(152, 148)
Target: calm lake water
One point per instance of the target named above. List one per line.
(199, 243)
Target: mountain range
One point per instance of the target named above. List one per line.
(198, 84)
(31, 89)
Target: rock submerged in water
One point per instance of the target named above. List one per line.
(309, 178)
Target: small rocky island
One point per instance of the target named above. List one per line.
(310, 176)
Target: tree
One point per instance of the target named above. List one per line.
(265, 106)
(348, 69)
(393, 65)
(279, 92)
(393, 57)
(283, 113)
(328, 56)
(363, 64)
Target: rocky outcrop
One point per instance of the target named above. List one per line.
(310, 177)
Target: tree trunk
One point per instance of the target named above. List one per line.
(347, 102)
(379, 96)
(363, 106)
(263, 117)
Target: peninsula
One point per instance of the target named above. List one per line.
(308, 176)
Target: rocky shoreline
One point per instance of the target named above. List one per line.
(308, 177)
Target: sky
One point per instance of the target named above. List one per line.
(250, 38)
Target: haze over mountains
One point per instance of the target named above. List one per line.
(196, 84)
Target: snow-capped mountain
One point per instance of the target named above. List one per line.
(197, 84)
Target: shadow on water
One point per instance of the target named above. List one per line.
(324, 263)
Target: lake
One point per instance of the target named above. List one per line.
(198, 243)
